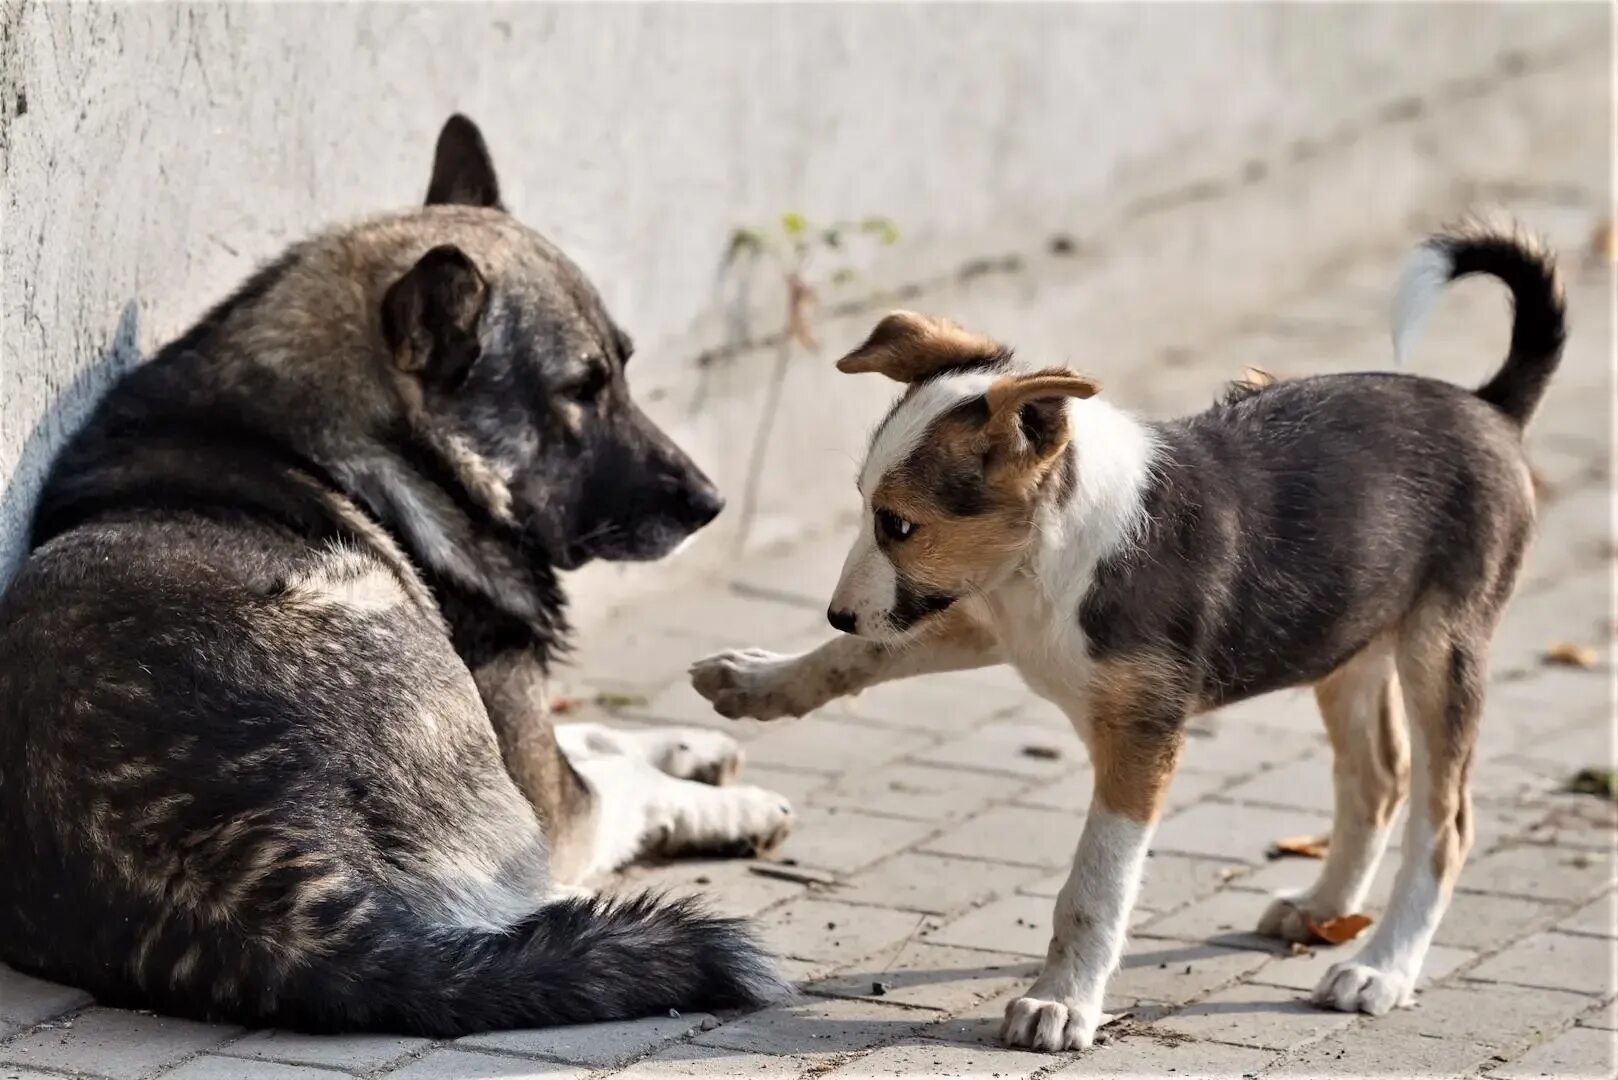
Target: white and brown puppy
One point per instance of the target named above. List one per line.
(1359, 533)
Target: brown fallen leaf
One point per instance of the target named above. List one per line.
(561, 706)
(1567, 654)
(1043, 753)
(1604, 242)
(1310, 847)
(1341, 929)
(613, 701)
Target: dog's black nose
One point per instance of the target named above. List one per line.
(841, 620)
(702, 504)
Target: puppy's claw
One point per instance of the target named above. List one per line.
(1048, 1025)
(1352, 987)
(753, 683)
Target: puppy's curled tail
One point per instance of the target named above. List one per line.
(1539, 328)
(572, 961)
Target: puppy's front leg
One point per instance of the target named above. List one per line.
(767, 685)
(1134, 754)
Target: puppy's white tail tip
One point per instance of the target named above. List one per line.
(1426, 271)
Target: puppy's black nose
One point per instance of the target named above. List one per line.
(841, 620)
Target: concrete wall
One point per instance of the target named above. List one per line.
(1209, 154)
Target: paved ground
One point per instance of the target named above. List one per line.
(936, 821)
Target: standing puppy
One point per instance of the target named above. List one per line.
(1359, 533)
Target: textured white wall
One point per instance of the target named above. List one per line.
(153, 154)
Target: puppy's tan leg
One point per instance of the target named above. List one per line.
(1441, 662)
(767, 685)
(1364, 715)
(1134, 736)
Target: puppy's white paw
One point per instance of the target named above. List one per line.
(753, 682)
(1352, 987)
(1039, 1024)
(708, 757)
(1288, 918)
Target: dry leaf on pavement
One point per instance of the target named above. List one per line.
(1567, 654)
(1310, 847)
(1341, 929)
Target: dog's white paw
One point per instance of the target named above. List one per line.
(1353, 987)
(753, 683)
(1288, 918)
(738, 821)
(1039, 1024)
(708, 757)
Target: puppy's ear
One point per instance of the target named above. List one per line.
(430, 317)
(463, 172)
(909, 347)
(1028, 414)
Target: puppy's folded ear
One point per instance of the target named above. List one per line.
(430, 317)
(463, 172)
(908, 347)
(1028, 413)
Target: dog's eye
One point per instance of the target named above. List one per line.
(892, 527)
(588, 386)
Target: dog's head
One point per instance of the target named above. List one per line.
(513, 376)
(954, 473)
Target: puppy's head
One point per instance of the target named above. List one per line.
(512, 372)
(954, 474)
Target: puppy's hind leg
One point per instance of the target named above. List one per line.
(1364, 715)
(641, 811)
(1441, 665)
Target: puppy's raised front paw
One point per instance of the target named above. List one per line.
(752, 683)
(1039, 1024)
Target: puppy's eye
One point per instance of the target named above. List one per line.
(892, 527)
(587, 387)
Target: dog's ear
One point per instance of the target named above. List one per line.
(430, 317)
(908, 347)
(463, 172)
(1027, 414)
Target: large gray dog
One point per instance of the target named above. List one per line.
(273, 742)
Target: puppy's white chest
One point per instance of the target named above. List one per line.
(1047, 649)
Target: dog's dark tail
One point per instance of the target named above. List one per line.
(1539, 329)
(571, 961)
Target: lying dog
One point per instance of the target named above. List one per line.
(273, 734)
(1360, 533)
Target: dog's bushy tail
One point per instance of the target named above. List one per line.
(571, 961)
(1539, 328)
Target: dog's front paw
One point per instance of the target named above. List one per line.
(752, 683)
(758, 821)
(1039, 1024)
(708, 757)
(1353, 987)
(1289, 915)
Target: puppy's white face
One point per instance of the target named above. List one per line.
(953, 474)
